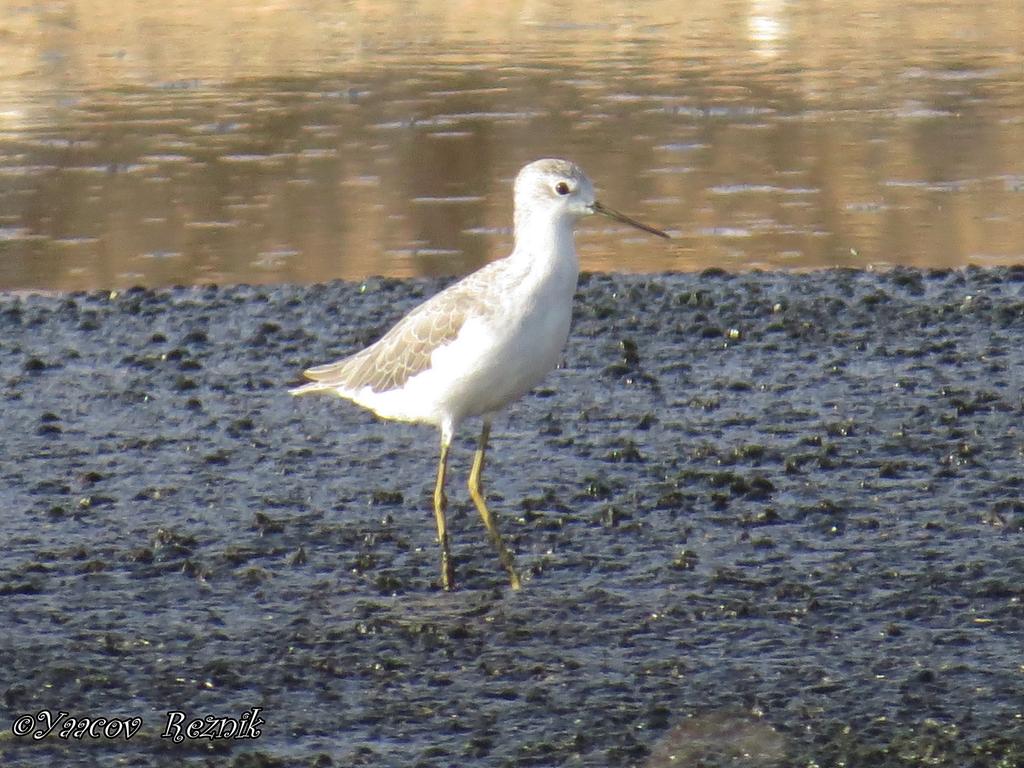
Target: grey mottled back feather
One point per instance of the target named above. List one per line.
(405, 350)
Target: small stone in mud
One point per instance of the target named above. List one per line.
(265, 524)
(382, 498)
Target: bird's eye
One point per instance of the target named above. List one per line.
(562, 188)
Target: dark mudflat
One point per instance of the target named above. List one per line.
(770, 515)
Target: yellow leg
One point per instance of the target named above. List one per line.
(440, 503)
(476, 492)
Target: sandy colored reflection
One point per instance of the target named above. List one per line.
(266, 142)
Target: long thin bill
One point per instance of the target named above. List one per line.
(613, 214)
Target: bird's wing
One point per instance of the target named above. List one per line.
(406, 349)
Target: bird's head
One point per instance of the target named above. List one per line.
(561, 190)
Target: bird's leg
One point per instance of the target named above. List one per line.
(476, 492)
(440, 503)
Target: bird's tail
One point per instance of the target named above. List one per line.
(332, 377)
(305, 389)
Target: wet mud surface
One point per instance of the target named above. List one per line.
(768, 519)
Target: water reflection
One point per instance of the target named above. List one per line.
(267, 142)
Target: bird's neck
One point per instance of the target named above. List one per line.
(545, 244)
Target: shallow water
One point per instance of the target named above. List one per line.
(268, 142)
